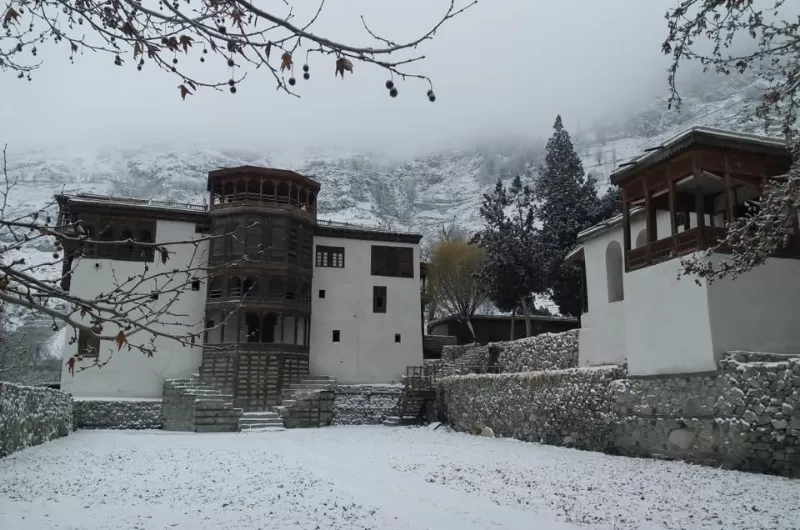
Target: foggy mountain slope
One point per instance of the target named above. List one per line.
(419, 193)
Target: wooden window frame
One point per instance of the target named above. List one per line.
(379, 299)
(329, 257)
(394, 262)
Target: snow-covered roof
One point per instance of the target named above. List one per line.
(92, 198)
(705, 135)
(596, 230)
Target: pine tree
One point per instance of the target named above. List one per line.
(569, 204)
(511, 240)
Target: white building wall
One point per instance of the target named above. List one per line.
(661, 326)
(667, 328)
(130, 373)
(367, 351)
(758, 310)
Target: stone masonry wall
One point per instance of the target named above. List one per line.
(747, 416)
(562, 407)
(365, 404)
(117, 414)
(548, 351)
(31, 416)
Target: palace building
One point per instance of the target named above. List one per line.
(676, 201)
(281, 296)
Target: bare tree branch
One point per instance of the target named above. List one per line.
(162, 32)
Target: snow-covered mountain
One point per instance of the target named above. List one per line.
(419, 193)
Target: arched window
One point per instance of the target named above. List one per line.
(234, 287)
(250, 287)
(283, 193)
(217, 195)
(303, 199)
(614, 272)
(269, 191)
(253, 327)
(126, 250)
(268, 324)
(230, 190)
(253, 239)
(215, 288)
(291, 289)
(276, 287)
(312, 202)
(295, 194)
(641, 238)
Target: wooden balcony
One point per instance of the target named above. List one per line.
(693, 240)
(250, 348)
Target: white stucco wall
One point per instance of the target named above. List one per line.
(130, 373)
(367, 351)
(758, 310)
(667, 328)
(662, 324)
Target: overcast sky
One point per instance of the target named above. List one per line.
(505, 67)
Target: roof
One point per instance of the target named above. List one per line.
(162, 209)
(576, 254)
(368, 233)
(246, 171)
(534, 318)
(699, 136)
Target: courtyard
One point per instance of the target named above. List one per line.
(370, 477)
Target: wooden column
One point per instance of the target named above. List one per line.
(295, 329)
(626, 230)
(728, 191)
(699, 202)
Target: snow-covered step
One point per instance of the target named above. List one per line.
(260, 420)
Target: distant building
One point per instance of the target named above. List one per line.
(676, 199)
(496, 328)
(312, 296)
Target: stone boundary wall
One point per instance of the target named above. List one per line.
(117, 414)
(432, 345)
(32, 415)
(560, 407)
(548, 351)
(365, 404)
(746, 416)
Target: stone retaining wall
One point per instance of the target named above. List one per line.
(746, 416)
(548, 351)
(432, 345)
(117, 414)
(561, 407)
(365, 404)
(31, 416)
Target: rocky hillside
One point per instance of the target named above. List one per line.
(419, 193)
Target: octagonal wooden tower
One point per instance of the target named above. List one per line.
(258, 310)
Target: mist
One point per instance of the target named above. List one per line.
(502, 69)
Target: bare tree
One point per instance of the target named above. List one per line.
(174, 36)
(773, 35)
(455, 283)
(135, 310)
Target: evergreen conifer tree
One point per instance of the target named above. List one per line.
(568, 205)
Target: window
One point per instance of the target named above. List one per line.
(195, 284)
(201, 228)
(397, 337)
(336, 335)
(379, 299)
(119, 236)
(154, 295)
(614, 272)
(393, 261)
(330, 257)
(209, 325)
(322, 293)
(88, 345)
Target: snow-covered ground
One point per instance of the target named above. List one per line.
(370, 477)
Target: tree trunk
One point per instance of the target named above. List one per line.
(471, 329)
(527, 318)
(513, 321)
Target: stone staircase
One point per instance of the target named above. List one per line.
(308, 403)
(260, 421)
(189, 405)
